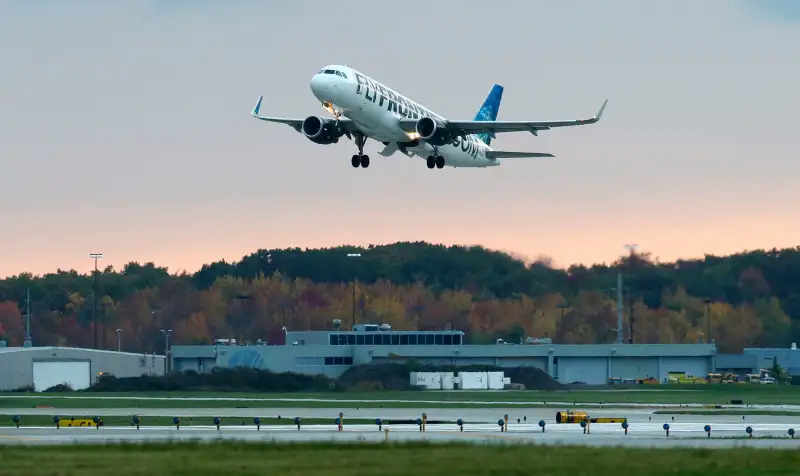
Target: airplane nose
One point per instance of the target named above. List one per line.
(319, 86)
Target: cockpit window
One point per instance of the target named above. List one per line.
(332, 71)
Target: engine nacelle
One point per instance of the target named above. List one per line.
(430, 131)
(321, 131)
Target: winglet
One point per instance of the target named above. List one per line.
(600, 112)
(254, 113)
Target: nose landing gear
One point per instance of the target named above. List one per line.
(360, 159)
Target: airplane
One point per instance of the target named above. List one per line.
(364, 108)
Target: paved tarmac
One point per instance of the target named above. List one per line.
(641, 435)
(486, 415)
(645, 429)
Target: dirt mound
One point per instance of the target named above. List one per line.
(533, 378)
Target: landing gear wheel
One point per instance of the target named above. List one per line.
(431, 162)
(439, 162)
(360, 159)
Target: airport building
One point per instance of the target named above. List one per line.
(752, 360)
(332, 352)
(45, 367)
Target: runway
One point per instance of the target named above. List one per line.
(644, 429)
(646, 435)
(485, 415)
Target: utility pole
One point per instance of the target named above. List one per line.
(119, 340)
(632, 249)
(28, 341)
(353, 269)
(708, 319)
(95, 256)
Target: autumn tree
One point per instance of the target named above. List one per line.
(745, 299)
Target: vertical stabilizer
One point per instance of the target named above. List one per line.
(488, 111)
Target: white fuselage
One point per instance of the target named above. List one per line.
(377, 109)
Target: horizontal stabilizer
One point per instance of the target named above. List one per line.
(501, 154)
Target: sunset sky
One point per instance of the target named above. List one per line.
(125, 128)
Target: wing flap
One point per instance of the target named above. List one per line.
(474, 127)
(493, 127)
(502, 154)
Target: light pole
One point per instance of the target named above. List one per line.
(241, 298)
(562, 305)
(354, 255)
(95, 257)
(632, 249)
(28, 340)
(119, 340)
(166, 334)
(620, 330)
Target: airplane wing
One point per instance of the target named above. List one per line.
(492, 127)
(501, 154)
(296, 123)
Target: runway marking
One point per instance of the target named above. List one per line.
(478, 435)
(18, 438)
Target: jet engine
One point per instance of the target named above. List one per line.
(321, 131)
(431, 132)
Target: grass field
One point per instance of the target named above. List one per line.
(418, 459)
(661, 394)
(46, 420)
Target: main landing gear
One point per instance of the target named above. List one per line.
(360, 159)
(435, 161)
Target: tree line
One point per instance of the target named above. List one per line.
(742, 300)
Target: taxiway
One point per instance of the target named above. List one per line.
(645, 428)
